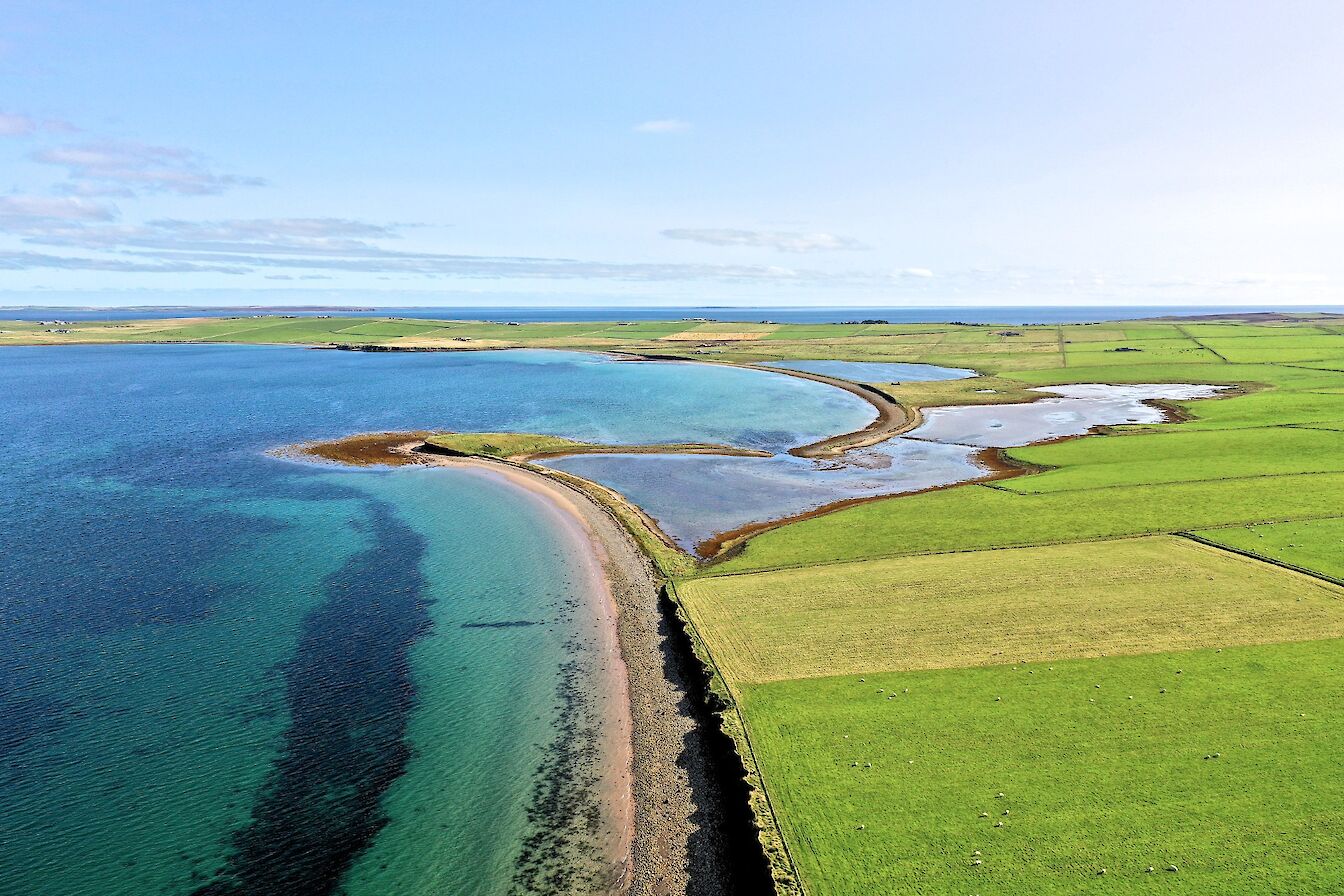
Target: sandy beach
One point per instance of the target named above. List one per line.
(665, 808)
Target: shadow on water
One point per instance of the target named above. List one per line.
(349, 693)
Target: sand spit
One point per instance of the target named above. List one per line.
(893, 418)
(671, 802)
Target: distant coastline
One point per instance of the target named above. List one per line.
(973, 314)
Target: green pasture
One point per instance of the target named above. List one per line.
(817, 331)
(501, 444)
(1141, 595)
(641, 330)
(890, 783)
(1177, 456)
(975, 517)
(943, 393)
(1317, 545)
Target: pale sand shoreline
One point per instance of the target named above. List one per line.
(668, 850)
(667, 807)
(590, 550)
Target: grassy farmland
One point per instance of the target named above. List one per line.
(1137, 595)
(997, 638)
(1193, 567)
(1090, 778)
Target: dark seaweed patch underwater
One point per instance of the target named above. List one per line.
(223, 673)
(349, 692)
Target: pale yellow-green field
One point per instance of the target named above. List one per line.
(1137, 595)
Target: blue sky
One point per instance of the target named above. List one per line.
(692, 153)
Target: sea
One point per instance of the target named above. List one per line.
(225, 672)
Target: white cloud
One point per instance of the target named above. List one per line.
(26, 261)
(29, 213)
(120, 167)
(766, 239)
(14, 125)
(922, 273)
(663, 126)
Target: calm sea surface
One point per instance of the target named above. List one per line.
(224, 673)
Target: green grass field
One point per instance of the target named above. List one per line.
(501, 444)
(1102, 461)
(1091, 779)
(1316, 545)
(1139, 595)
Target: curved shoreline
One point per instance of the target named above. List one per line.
(723, 545)
(668, 798)
(893, 418)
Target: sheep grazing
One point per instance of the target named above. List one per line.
(984, 814)
(998, 824)
(998, 796)
(1101, 871)
(1172, 868)
(975, 861)
(860, 827)
(1148, 870)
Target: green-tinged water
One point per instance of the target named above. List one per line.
(223, 673)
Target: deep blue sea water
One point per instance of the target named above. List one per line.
(227, 673)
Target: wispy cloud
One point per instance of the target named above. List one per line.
(312, 247)
(28, 214)
(13, 124)
(919, 273)
(119, 168)
(25, 261)
(766, 239)
(291, 236)
(663, 126)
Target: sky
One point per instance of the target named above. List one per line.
(836, 153)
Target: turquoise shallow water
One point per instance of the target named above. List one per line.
(224, 673)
